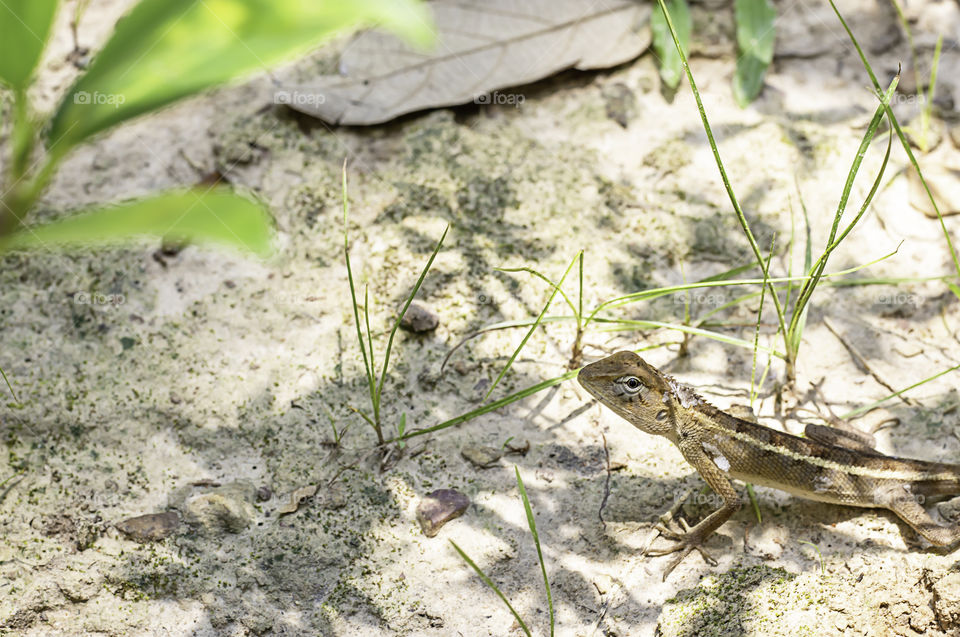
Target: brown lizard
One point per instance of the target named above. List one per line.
(828, 465)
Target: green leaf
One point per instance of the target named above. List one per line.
(748, 79)
(671, 66)
(164, 50)
(532, 525)
(755, 37)
(24, 27)
(954, 288)
(215, 216)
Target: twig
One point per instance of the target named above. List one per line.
(606, 482)
(863, 363)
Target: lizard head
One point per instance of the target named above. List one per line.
(632, 388)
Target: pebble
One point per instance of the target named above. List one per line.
(620, 103)
(482, 456)
(151, 527)
(228, 508)
(439, 507)
(419, 318)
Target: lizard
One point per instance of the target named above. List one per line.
(827, 465)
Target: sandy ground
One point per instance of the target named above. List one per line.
(205, 383)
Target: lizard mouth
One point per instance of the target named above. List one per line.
(591, 377)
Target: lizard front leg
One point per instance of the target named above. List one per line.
(691, 539)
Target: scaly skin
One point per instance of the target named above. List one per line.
(824, 466)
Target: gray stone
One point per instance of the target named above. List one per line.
(439, 507)
(228, 508)
(419, 318)
(151, 527)
(482, 456)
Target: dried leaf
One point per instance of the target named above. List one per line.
(483, 46)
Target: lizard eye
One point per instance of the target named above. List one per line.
(630, 385)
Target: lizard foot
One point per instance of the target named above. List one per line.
(686, 540)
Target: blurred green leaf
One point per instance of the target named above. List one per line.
(671, 66)
(748, 79)
(954, 288)
(24, 27)
(164, 50)
(214, 216)
(755, 37)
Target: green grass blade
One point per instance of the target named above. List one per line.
(755, 35)
(862, 410)
(363, 415)
(373, 360)
(495, 405)
(24, 29)
(632, 324)
(367, 368)
(9, 386)
(542, 277)
(671, 64)
(532, 523)
(903, 138)
(657, 292)
(756, 333)
(493, 587)
(579, 311)
(202, 216)
(406, 306)
(165, 50)
(869, 198)
(741, 217)
(832, 242)
(754, 503)
(954, 288)
(529, 333)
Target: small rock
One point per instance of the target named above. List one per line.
(620, 103)
(949, 509)
(946, 601)
(335, 496)
(419, 318)
(479, 390)
(264, 493)
(151, 527)
(462, 367)
(482, 456)
(228, 508)
(438, 508)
